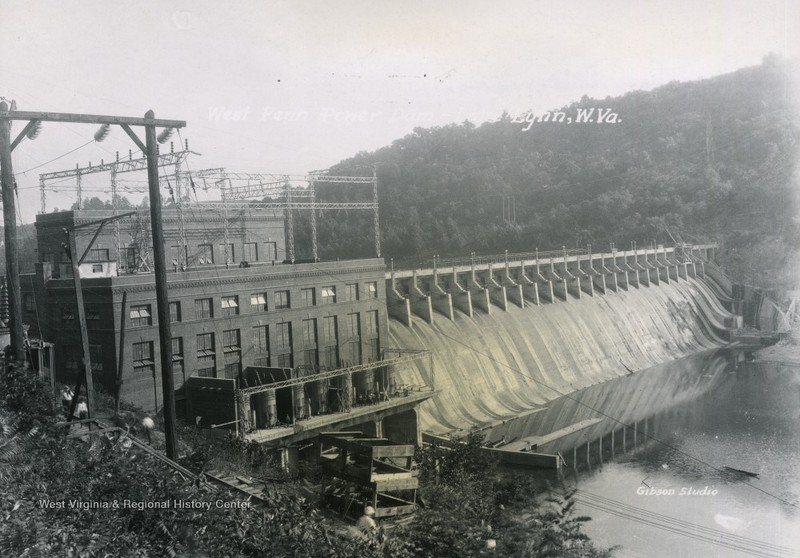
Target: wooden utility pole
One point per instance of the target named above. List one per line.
(162, 298)
(150, 124)
(10, 233)
(123, 320)
(87, 361)
(76, 263)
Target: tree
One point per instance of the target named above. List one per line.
(695, 160)
(467, 502)
(96, 203)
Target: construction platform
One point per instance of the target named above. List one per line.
(375, 413)
(360, 470)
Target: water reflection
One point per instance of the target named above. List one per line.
(622, 409)
(651, 470)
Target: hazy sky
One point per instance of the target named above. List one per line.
(315, 82)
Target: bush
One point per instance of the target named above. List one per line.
(463, 495)
(467, 501)
(23, 392)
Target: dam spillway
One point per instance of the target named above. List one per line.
(492, 366)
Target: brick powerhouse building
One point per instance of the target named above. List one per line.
(224, 317)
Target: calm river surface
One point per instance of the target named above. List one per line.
(665, 492)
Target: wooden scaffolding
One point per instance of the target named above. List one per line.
(359, 471)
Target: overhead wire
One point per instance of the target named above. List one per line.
(755, 551)
(590, 498)
(57, 158)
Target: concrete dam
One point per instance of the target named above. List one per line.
(507, 338)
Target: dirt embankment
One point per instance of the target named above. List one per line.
(786, 351)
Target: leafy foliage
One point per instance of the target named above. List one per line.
(24, 393)
(104, 472)
(97, 203)
(710, 160)
(467, 502)
(40, 463)
(90, 480)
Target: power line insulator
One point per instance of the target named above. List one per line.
(33, 133)
(102, 132)
(165, 134)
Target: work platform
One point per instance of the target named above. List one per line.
(400, 412)
(530, 459)
(283, 407)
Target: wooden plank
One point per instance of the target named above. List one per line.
(440, 440)
(393, 451)
(77, 433)
(399, 484)
(28, 127)
(395, 510)
(389, 476)
(223, 482)
(134, 137)
(355, 448)
(346, 434)
(388, 500)
(392, 464)
(381, 466)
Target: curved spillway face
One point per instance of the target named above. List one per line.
(494, 367)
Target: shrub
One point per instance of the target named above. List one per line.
(25, 393)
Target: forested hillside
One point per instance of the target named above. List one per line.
(710, 160)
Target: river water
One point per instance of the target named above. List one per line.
(649, 454)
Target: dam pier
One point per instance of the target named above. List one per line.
(531, 279)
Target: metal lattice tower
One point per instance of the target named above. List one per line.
(117, 167)
(279, 194)
(238, 191)
(182, 263)
(314, 246)
(289, 222)
(114, 201)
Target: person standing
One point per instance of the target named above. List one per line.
(66, 400)
(148, 425)
(366, 523)
(83, 410)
